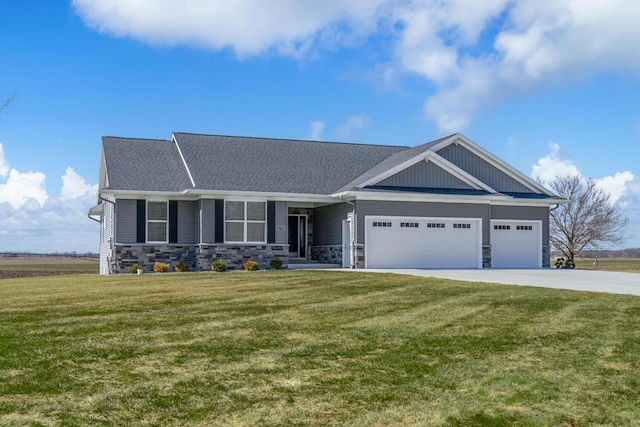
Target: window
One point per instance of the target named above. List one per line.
(409, 224)
(502, 227)
(435, 225)
(461, 226)
(381, 224)
(157, 221)
(245, 221)
(524, 227)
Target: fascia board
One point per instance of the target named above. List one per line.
(247, 195)
(184, 162)
(133, 194)
(420, 197)
(491, 199)
(209, 194)
(493, 160)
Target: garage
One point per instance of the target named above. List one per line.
(516, 244)
(418, 242)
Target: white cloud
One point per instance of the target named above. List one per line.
(249, 27)
(315, 130)
(23, 186)
(4, 166)
(352, 124)
(616, 185)
(74, 186)
(474, 53)
(553, 165)
(31, 220)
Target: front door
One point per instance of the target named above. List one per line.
(297, 236)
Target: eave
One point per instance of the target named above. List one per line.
(490, 199)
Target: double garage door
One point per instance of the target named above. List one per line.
(403, 242)
(409, 242)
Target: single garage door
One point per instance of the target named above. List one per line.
(409, 242)
(516, 244)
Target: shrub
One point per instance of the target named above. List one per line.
(182, 267)
(160, 267)
(219, 266)
(134, 268)
(276, 263)
(251, 265)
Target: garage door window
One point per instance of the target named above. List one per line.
(435, 225)
(461, 226)
(381, 224)
(502, 227)
(524, 227)
(409, 225)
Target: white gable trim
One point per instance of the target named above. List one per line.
(430, 156)
(458, 138)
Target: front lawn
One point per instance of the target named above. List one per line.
(313, 348)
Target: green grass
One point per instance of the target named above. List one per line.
(313, 348)
(631, 265)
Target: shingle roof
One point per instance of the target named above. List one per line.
(261, 165)
(276, 165)
(144, 165)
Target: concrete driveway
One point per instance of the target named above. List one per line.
(577, 280)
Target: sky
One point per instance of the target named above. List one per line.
(550, 87)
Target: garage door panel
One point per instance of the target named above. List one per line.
(422, 243)
(516, 244)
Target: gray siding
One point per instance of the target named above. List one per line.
(327, 223)
(198, 220)
(524, 213)
(424, 175)
(126, 221)
(418, 209)
(208, 226)
(281, 223)
(187, 221)
(484, 171)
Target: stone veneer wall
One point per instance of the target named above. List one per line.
(147, 255)
(486, 256)
(327, 254)
(236, 255)
(198, 258)
(359, 255)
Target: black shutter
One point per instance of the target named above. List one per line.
(271, 222)
(219, 220)
(173, 221)
(141, 221)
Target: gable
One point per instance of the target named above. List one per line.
(482, 169)
(424, 174)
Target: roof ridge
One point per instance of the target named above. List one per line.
(135, 138)
(293, 140)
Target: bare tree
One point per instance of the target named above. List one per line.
(8, 100)
(587, 221)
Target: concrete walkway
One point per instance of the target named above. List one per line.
(578, 280)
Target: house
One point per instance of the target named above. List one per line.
(196, 198)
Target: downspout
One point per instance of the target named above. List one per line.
(354, 238)
(114, 218)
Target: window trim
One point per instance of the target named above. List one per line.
(166, 221)
(245, 222)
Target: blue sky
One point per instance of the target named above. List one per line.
(549, 88)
